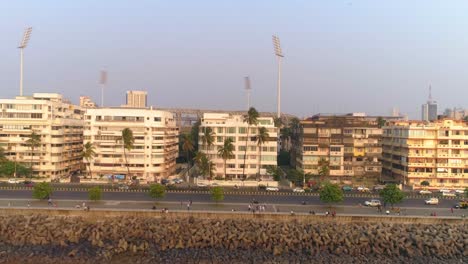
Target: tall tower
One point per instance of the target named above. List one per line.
(429, 109)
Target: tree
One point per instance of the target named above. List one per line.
(207, 138)
(187, 146)
(298, 177)
(88, 154)
(157, 191)
(251, 119)
(2, 155)
(95, 194)
(392, 194)
(381, 122)
(262, 137)
(33, 142)
(8, 168)
(466, 192)
(217, 194)
(194, 134)
(274, 171)
(226, 152)
(127, 141)
(278, 122)
(323, 168)
(331, 193)
(425, 183)
(42, 190)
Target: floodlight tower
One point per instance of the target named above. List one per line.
(23, 44)
(247, 89)
(279, 55)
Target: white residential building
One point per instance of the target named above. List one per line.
(137, 99)
(86, 102)
(155, 148)
(225, 126)
(59, 124)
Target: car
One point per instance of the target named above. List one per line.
(272, 189)
(13, 181)
(214, 185)
(444, 190)
(201, 185)
(432, 201)
(372, 203)
(449, 194)
(123, 187)
(347, 188)
(460, 191)
(379, 187)
(298, 190)
(363, 189)
(177, 181)
(461, 205)
(28, 183)
(165, 182)
(425, 192)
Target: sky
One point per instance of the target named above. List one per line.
(340, 56)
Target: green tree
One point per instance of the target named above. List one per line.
(33, 142)
(7, 168)
(187, 146)
(466, 192)
(88, 154)
(298, 177)
(2, 155)
(425, 183)
(42, 190)
(95, 194)
(217, 194)
(194, 134)
(127, 141)
(251, 119)
(274, 171)
(278, 122)
(381, 122)
(226, 152)
(157, 191)
(331, 193)
(208, 138)
(392, 194)
(262, 137)
(323, 169)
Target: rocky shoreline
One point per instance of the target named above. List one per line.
(52, 239)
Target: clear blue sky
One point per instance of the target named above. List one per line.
(340, 56)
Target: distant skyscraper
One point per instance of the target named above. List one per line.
(429, 109)
(136, 99)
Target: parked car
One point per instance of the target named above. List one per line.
(201, 185)
(272, 189)
(379, 187)
(449, 194)
(460, 191)
(165, 182)
(177, 181)
(444, 190)
(425, 192)
(28, 183)
(363, 189)
(13, 181)
(347, 188)
(372, 203)
(432, 201)
(298, 190)
(123, 187)
(461, 205)
(214, 185)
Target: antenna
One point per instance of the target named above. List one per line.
(430, 93)
(247, 89)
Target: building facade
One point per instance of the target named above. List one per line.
(436, 152)
(153, 156)
(348, 144)
(59, 125)
(86, 102)
(224, 126)
(429, 111)
(136, 99)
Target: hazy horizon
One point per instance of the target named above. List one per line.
(340, 56)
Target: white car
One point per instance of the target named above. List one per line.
(272, 189)
(432, 201)
(298, 190)
(201, 185)
(177, 181)
(372, 203)
(444, 190)
(425, 192)
(363, 189)
(459, 191)
(449, 194)
(13, 181)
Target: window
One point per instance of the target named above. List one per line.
(347, 131)
(231, 166)
(335, 167)
(242, 138)
(268, 158)
(231, 130)
(335, 149)
(252, 148)
(310, 148)
(157, 119)
(242, 130)
(219, 139)
(241, 148)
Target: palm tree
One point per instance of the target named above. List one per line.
(208, 138)
(262, 136)
(251, 119)
(33, 142)
(127, 140)
(88, 154)
(226, 152)
(187, 146)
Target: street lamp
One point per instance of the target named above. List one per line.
(23, 44)
(279, 55)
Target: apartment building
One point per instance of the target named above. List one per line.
(155, 149)
(137, 99)
(59, 125)
(86, 102)
(224, 126)
(350, 144)
(437, 152)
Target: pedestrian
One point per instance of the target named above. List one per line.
(292, 212)
(154, 207)
(84, 205)
(435, 214)
(188, 207)
(9, 204)
(387, 212)
(250, 207)
(49, 202)
(29, 204)
(190, 201)
(334, 213)
(326, 213)
(451, 209)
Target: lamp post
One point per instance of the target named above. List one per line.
(22, 46)
(279, 55)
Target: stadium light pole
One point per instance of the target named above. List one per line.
(247, 89)
(22, 46)
(279, 55)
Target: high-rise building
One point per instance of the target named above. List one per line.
(154, 150)
(136, 99)
(429, 109)
(59, 125)
(86, 102)
(224, 125)
(349, 145)
(436, 152)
